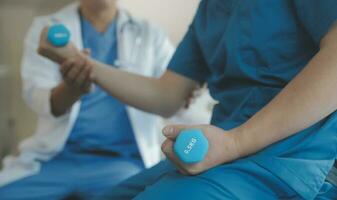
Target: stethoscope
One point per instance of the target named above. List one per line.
(138, 40)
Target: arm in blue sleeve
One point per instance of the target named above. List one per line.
(316, 16)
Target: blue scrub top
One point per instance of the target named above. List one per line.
(247, 51)
(103, 123)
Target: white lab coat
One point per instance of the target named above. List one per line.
(142, 49)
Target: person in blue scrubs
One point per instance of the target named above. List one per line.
(271, 65)
(247, 51)
(97, 155)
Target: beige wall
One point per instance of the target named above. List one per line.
(17, 121)
(173, 16)
(15, 17)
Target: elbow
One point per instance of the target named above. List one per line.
(168, 112)
(57, 114)
(323, 43)
(330, 38)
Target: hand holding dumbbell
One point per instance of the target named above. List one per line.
(195, 149)
(55, 44)
(75, 71)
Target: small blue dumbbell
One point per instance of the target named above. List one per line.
(191, 146)
(58, 35)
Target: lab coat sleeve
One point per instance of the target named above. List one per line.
(316, 16)
(198, 112)
(164, 50)
(39, 75)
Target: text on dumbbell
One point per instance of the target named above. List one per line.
(190, 145)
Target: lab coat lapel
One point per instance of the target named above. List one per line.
(129, 33)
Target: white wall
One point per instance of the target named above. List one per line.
(16, 16)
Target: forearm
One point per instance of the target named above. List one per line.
(307, 99)
(62, 98)
(160, 96)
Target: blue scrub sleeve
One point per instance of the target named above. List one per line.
(317, 16)
(188, 59)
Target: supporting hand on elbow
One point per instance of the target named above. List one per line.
(222, 148)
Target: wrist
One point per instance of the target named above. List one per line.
(67, 52)
(250, 138)
(94, 70)
(72, 92)
(239, 135)
(58, 54)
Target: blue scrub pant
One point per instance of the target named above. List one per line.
(73, 173)
(243, 179)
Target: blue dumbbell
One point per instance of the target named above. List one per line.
(58, 35)
(191, 146)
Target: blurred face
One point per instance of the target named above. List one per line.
(98, 4)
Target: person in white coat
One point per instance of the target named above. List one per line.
(69, 154)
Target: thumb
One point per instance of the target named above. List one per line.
(44, 32)
(172, 131)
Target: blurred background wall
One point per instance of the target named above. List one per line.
(16, 120)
